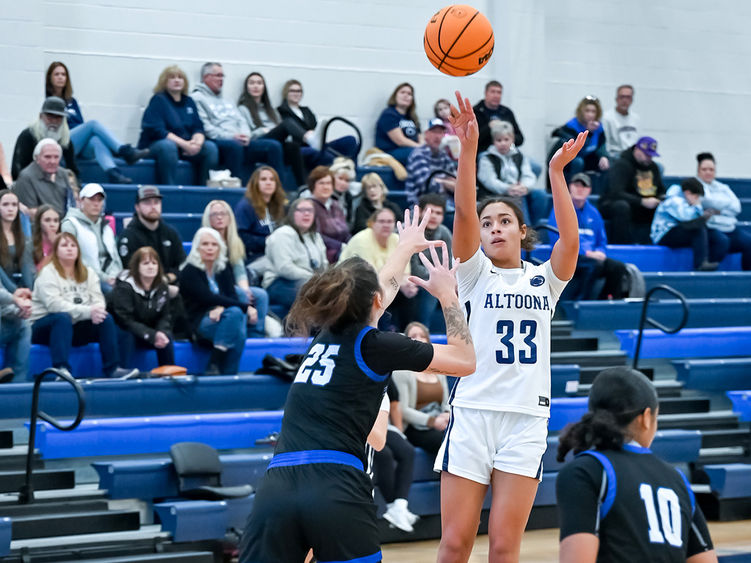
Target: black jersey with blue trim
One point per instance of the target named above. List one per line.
(337, 392)
(641, 508)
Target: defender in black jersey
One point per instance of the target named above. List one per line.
(315, 493)
(618, 501)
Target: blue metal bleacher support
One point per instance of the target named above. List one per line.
(729, 480)
(689, 343)
(194, 520)
(6, 531)
(741, 403)
(720, 374)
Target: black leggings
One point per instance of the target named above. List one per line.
(429, 439)
(292, 153)
(392, 467)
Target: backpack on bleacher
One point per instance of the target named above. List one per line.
(633, 282)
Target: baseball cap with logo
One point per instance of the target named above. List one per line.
(648, 146)
(148, 192)
(54, 106)
(436, 122)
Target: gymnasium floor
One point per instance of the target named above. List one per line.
(541, 546)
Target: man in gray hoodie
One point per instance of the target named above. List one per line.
(223, 122)
(96, 238)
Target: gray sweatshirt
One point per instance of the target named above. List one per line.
(221, 119)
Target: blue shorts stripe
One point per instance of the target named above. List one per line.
(445, 464)
(306, 457)
(374, 558)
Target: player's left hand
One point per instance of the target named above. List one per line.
(464, 122)
(441, 282)
(412, 231)
(568, 151)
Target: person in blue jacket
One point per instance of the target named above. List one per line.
(593, 263)
(594, 155)
(681, 221)
(90, 139)
(171, 129)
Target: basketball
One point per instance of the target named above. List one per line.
(459, 40)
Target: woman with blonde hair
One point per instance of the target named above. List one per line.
(260, 211)
(594, 154)
(67, 309)
(213, 310)
(218, 215)
(374, 192)
(172, 130)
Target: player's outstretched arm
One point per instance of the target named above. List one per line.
(566, 250)
(466, 224)
(457, 356)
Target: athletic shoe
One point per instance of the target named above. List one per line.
(397, 517)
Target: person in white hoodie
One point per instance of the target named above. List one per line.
(504, 170)
(94, 235)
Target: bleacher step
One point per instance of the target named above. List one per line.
(149, 535)
(665, 388)
(676, 405)
(561, 328)
(587, 374)
(729, 454)
(64, 507)
(43, 479)
(600, 358)
(573, 344)
(728, 437)
(6, 439)
(15, 458)
(178, 557)
(80, 492)
(703, 421)
(94, 522)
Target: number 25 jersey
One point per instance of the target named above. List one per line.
(509, 315)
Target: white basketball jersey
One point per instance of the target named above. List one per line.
(510, 313)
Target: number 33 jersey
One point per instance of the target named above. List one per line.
(337, 392)
(509, 314)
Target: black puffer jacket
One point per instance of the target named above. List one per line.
(141, 312)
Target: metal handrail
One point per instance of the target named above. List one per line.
(645, 319)
(348, 122)
(26, 493)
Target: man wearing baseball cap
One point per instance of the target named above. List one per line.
(51, 124)
(635, 189)
(95, 236)
(148, 229)
(426, 159)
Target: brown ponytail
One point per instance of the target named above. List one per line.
(334, 299)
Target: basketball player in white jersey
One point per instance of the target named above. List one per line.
(499, 414)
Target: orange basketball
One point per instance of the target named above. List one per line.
(459, 40)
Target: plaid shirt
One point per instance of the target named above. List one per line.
(421, 162)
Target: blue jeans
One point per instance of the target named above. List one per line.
(401, 154)
(707, 244)
(128, 344)
(93, 140)
(229, 333)
(166, 154)
(15, 337)
(267, 151)
(345, 146)
(58, 331)
(736, 241)
(283, 292)
(261, 304)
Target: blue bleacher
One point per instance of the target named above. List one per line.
(142, 172)
(741, 403)
(143, 397)
(194, 520)
(176, 199)
(729, 480)
(720, 374)
(697, 285)
(688, 343)
(141, 435)
(624, 314)
(6, 532)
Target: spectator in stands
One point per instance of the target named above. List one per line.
(43, 235)
(424, 400)
(140, 306)
(490, 109)
(375, 244)
(219, 216)
(426, 160)
(680, 221)
(5, 178)
(148, 229)
(15, 333)
(593, 155)
(265, 125)
(171, 129)
(504, 170)
(720, 198)
(295, 252)
(260, 211)
(393, 467)
(224, 124)
(67, 309)
(44, 181)
(16, 261)
(290, 109)
(94, 235)
(425, 303)
(374, 198)
(50, 125)
(398, 129)
(450, 142)
(634, 191)
(90, 139)
(593, 264)
(213, 309)
(346, 190)
(330, 221)
(621, 125)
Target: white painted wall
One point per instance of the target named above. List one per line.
(686, 59)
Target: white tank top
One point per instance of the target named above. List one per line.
(510, 313)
